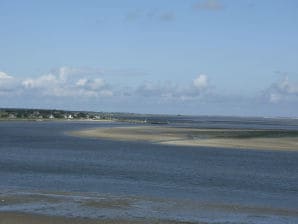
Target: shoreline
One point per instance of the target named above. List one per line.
(55, 120)
(220, 138)
(114, 209)
(30, 218)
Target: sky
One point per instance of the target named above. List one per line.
(196, 57)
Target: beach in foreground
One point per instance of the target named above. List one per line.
(224, 138)
(17, 218)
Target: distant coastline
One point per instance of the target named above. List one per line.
(35, 114)
(18, 114)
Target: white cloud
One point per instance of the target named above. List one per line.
(4, 76)
(106, 93)
(149, 89)
(81, 82)
(45, 81)
(8, 84)
(93, 84)
(96, 84)
(61, 82)
(274, 97)
(288, 87)
(171, 91)
(67, 73)
(281, 91)
(201, 82)
(68, 82)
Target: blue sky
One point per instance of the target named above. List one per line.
(213, 57)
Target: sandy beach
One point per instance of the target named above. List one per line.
(117, 204)
(224, 138)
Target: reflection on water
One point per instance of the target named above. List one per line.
(107, 178)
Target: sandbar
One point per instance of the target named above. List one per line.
(223, 138)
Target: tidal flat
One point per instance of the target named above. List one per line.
(223, 138)
(27, 218)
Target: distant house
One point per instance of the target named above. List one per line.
(69, 116)
(12, 116)
(51, 116)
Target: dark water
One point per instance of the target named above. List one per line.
(219, 121)
(180, 183)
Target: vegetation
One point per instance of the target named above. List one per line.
(42, 114)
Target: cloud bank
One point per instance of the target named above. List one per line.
(62, 82)
(89, 83)
(79, 88)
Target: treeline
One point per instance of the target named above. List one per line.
(48, 114)
(51, 114)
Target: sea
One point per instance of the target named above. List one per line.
(44, 170)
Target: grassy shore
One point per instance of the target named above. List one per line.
(226, 138)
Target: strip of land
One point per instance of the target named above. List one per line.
(223, 138)
(116, 204)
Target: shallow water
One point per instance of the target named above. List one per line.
(149, 181)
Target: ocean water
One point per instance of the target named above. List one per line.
(43, 170)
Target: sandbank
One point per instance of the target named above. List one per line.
(223, 138)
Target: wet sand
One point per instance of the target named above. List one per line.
(223, 138)
(12, 217)
(26, 218)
